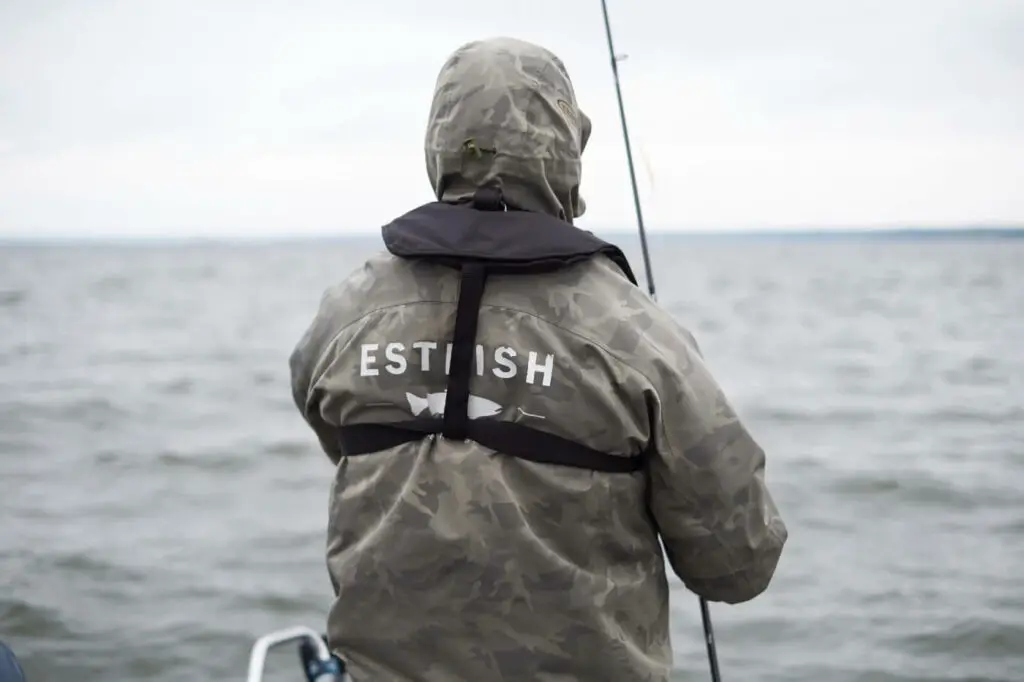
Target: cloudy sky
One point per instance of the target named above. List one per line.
(263, 117)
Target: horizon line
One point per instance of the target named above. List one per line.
(980, 231)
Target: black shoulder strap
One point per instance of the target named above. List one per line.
(467, 316)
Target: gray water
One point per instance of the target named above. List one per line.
(163, 504)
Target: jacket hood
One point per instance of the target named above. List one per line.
(504, 114)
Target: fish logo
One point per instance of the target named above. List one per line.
(479, 408)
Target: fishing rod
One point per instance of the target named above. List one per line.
(705, 612)
(629, 152)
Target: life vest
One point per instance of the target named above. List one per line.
(479, 238)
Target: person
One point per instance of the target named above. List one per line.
(514, 422)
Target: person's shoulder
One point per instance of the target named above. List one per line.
(366, 275)
(632, 323)
(384, 279)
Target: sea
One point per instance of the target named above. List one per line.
(162, 503)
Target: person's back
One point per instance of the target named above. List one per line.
(451, 558)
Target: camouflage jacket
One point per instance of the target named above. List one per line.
(452, 562)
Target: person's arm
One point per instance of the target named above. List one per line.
(721, 529)
(308, 361)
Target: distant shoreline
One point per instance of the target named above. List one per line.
(792, 235)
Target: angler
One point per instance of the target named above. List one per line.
(482, 529)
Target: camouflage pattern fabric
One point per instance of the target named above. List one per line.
(505, 113)
(454, 563)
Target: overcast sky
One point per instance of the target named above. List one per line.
(224, 117)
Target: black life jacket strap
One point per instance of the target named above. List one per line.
(508, 438)
(467, 315)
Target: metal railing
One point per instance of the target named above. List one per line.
(318, 663)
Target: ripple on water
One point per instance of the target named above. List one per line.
(112, 284)
(12, 298)
(201, 460)
(964, 414)
(866, 672)
(21, 618)
(289, 448)
(970, 638)
(179, 386)
(919, 489)
(222, 461)
(851, 416)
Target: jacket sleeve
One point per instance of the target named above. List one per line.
(722, 532)
(308, 361)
